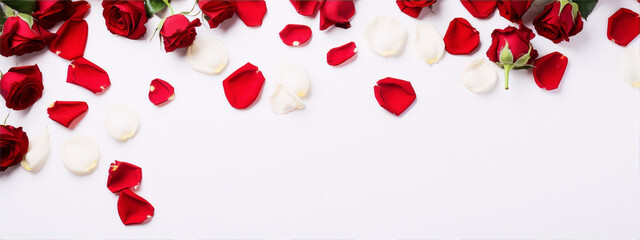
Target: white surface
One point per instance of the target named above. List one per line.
(523, 163)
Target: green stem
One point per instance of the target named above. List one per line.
(507, 70)
(5, 119)
(168, 5)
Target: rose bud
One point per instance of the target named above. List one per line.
(50, 12)
(215, 12)
(559, 21)
(19, 38)
(178, 32)
(14, 144)
(511, 49)
(21, 87)
(513, 10)
(414, 7)
(125, 18)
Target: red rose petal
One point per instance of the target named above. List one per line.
(71, 39)
(160, 91)
(624, 26)
(336, 13)
(133, 208)
(251, 12)
(86, 74)
(243, 86)
(123, 175)
(480, 9)
(295, 34)
(79, 9)
(65, 112)
(549, 70)
(410, 11)
(461, 37)
(338, 55)
(394, 95)
(305, 7)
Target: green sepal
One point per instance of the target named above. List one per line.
(522, 61)
(27, 18)
(574, 8)
(506, 57)
(23, 6)
(585, 7)
(154, 6)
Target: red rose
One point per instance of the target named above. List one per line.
(513, 10)
(125, 18)
(50, 12)
(14, 144)
(336, 13)
(21, 87)
(558, 22)
(414, 7)
(18, 38)
(511, 49)
(178, 32)
(216, 11)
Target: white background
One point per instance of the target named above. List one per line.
(522, 163)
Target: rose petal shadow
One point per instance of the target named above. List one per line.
(77, 120)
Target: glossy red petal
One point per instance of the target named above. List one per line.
(338, 55)
(79, 9)
(410, 11)
(295, 34)
(86, 74)
(480, 9)
(160, 91)
(65, 112)
(394, 95)
(336, 13)
(549, 70)
(133, 209)
(123, 175)
(71, 39)
(461, 37)
(243, 86)
(251, 12)
(624, 26)
(305, 7)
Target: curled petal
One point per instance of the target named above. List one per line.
(549, 70)
(243, 86)
(123, 175)
(480, 9)
(479, 77)
(461, 37)
(65, 112)
(160, 91)
(122, 122)
(294, 78)
(295, 34)
(284, 101)
(133, 209)
(86, 74)
(394, 95)
(429, 43)
(208, 55)
(624, 26)
(80, 155)
(251, 12)
(305, 7)
(385, 36)
(336, 13)
(71, 39)
(339, 55)
(629, 63)
(38, 152)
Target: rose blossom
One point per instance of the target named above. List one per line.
(21, 86)
(18, 38)
(511, 49)
(559, 21)
(14, 144)
(178, 32)
(125, 18)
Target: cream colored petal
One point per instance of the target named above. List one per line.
(293, 77)
(38, 153)
(122, 122)
(630, 65)
(80, 155)
(385, 36)
(429, 43)
(208, 55)
(283, 101)
(480, 76)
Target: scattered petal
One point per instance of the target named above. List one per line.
(294, 78)
(339, 55)
(65, 112)
(133, 209)
(480, 9)
(305, 7)
(429, 43)
(122, 122)
(38, 152)
(385, 36)
(479, 77)
(160, 91)
(461, 37)
(549, 70)
(123, 175)
(295, 34)
(629, 63)
(394, 95)
(71, 39)
(243, 86)
(208, 55)
(624, 26)
(80, 155)
(336, 13)
(86, 74)
(251, 12)
(284, 101)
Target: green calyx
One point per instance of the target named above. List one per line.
(507, 63)
(574, 7)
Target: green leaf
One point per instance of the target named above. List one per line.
(586, 7)
(3, 17)
(154, 6)
(23, 6)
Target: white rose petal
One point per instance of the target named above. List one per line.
(122, 122)
(630, 65)
(293, 77)
(208, 55)
(429, 43)
(38, 152)
(385, 36)
(479, 76)
(283, 101)
(80, 154)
